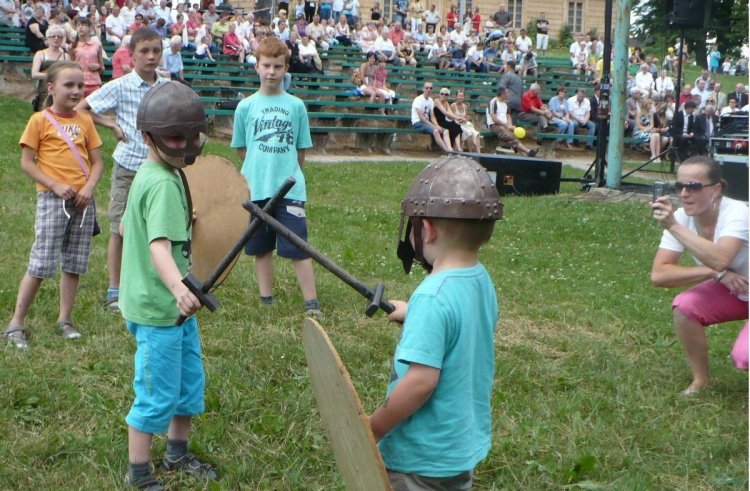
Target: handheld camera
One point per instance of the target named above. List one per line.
(661, 188)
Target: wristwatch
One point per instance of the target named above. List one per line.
(720, 276)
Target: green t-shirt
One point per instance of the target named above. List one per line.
(157, 209)
(272, 128)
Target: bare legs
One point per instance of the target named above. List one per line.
(302, 268)
(26, 293)
(443, 139)
(28, 289)
(114, 259)
(139, 443)
(693, 338)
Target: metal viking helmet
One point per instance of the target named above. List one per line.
(449, 187)
(172, 109)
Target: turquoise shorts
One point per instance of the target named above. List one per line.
(169, 379)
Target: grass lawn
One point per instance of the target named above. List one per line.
(588, 366)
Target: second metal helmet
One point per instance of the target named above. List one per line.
(449, 187)
(173, 109)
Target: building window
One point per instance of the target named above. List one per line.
(575, 16)
(469, 9)
(386, 12)
(515, 9)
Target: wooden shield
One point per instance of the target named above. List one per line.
(354, 446)
(217, 189)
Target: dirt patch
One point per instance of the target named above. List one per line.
(14, 83)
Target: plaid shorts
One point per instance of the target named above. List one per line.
(60, 235)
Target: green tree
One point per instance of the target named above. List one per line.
(727, 20)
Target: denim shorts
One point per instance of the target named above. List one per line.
(169, 379)
(424, 128)
(291, 214)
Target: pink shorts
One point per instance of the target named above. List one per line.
(712, 303)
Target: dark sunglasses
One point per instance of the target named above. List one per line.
(691, 186)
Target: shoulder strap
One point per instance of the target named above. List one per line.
(64, 135)
(188, 197)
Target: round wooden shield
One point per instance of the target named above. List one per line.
(218, 190)
(353, 444)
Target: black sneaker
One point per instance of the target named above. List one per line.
(190, 465)
(532, 153)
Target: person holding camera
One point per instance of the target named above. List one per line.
(714, 230)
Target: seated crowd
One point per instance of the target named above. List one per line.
(414, 36)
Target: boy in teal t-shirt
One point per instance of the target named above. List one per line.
(435, 425)
(169, 380)
(271, 133)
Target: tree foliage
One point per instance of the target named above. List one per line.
(727, 20)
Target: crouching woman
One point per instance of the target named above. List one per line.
(714, 230)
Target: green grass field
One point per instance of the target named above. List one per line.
(588, 366)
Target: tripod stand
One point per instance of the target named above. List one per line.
(670, 152)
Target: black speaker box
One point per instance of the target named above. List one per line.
(521, 175)
(685, 13)
(735, 173)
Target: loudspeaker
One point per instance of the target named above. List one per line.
(520, 175)
(685, 13)
(735, 173)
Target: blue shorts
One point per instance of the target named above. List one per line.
(424, 128)
(291, 214)
(169, 379)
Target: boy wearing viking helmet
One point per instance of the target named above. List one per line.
(169, 381)
(435, 424)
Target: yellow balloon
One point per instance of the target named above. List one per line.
(670, 49)
(519, 132)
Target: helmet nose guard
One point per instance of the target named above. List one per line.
(173, 109)
(454, 187)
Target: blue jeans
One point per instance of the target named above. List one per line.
(564, 128)
(590, 129)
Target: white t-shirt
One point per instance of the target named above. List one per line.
(474, 54)
(337, 5)
(308, 50)
(457, 37)
(705, 94)
(431, 17)
(163, 13)
(664, 85)
(244, 29)
(500, 109)
(574, 49)
(354, 4)
(116, 24)
(384, 45)
(523, 44)
(200, 50)
(732, 222)
(436, 51)
(579, 109)
(127, 15)
(507, 56)
(4, 16)
(422, 104)
(644, 81)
